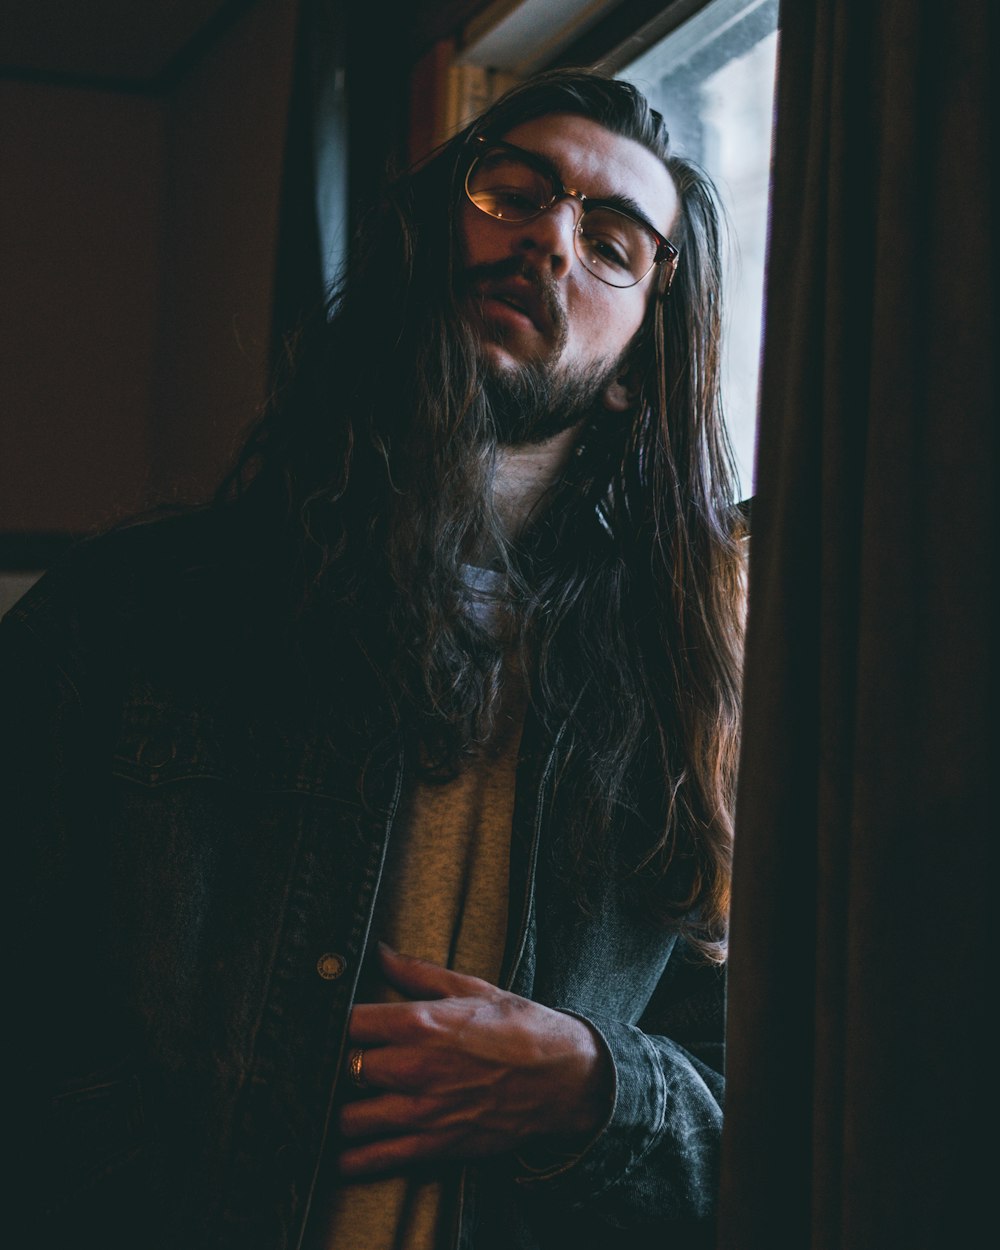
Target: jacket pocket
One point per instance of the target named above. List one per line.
(157, 745)
(161, 741)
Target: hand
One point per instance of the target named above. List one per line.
(466, 1070)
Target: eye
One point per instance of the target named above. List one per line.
(616, 245)
(505, 201)
(608, 243)
(609, 250)
(506, 187)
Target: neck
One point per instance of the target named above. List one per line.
(524, 476)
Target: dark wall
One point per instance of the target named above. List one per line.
(138, 231)
(81, 221)
(143, 222)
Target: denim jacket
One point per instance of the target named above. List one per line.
(196, 881)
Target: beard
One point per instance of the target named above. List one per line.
(531, 403)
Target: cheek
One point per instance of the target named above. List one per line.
(479, 237)
(614, 319)
(464, 232)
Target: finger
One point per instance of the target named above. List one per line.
(383, 1024)
(374, 1024)
(403, 1069)
(415, 1021)
(392, 1154)
(386, 1115)
(419, 978)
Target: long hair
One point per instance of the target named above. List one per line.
(372, 465)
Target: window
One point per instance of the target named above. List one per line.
(712, 78)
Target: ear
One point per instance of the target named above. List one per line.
(621, 394)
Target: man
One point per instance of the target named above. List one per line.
(382, 824)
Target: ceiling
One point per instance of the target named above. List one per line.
(135, 42)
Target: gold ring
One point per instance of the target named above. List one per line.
(357, 1076)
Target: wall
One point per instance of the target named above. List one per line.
(226, 137)
(81, 222)
(138, 236)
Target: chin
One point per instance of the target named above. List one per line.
(502, 358)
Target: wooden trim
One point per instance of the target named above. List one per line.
(430, 100)
(437, 20)
(627, 32)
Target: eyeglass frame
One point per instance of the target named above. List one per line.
(665, 250)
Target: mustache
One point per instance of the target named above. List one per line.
(476, 276)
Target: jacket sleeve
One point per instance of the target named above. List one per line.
(655, 1162)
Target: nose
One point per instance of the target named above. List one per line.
(551, 236)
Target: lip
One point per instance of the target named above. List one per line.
(520, 300)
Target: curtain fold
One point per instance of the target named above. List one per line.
(858, 973)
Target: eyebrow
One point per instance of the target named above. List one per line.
(627, 205)
(624, 203)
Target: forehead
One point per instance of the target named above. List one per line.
(597, 162)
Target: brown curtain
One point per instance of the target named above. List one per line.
(860, 1051)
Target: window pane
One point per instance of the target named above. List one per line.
(713, 81)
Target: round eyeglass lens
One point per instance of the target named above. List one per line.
(615, 247)
(507, 188)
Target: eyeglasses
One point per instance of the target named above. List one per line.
(516, 186)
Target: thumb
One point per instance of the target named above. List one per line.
(419, 978)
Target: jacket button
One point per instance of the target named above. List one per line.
(330, 966)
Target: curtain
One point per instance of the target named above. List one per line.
(860, 1052)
